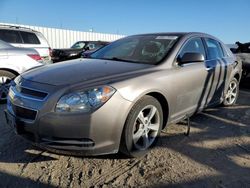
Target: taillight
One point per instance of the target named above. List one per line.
(35, 57)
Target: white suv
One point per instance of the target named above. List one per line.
(26, 38)
(14, 61)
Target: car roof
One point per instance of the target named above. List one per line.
(179, 34)
(17, 28)
(183, 35)
(93, 41)
(163, 33)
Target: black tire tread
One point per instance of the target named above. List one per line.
(123, 145)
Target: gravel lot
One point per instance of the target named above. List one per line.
(216, 154)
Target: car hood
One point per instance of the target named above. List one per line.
(81, 70)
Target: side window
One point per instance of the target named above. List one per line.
(10, 36)
(29, 38)
(214, 49)
(193, 46)
(91, 46)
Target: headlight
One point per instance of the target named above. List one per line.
(84, 101)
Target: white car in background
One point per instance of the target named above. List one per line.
(26, 38)
(14, 61)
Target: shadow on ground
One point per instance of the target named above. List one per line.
(222, 144)
(17, 181)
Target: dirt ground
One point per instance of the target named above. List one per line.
(216, 154)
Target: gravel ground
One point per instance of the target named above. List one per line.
(216, 154)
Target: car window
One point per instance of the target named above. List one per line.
(227, 51)
(91, 46)
(193, 46)
(29, 38)
(122, 50)
(214, 49)
(78, 45)
(10, 36)
(148, 49)
(97, 46)
(4, 45)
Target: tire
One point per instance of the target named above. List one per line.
(5, 78)
(231, 93)
(139, 133)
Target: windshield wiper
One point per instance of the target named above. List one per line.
(120, 59)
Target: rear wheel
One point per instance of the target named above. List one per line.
(5, 79)
(142, 127)
(232, 93)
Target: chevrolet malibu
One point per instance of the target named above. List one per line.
(124, 95)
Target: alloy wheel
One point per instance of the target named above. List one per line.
(146, 127)
(231, 94)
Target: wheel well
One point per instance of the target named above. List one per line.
(164, 104)
(237, 76)
(10, 70)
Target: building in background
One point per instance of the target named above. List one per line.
(64, 38)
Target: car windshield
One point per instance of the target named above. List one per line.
(4, 45)
(78, 45)
(149, 49)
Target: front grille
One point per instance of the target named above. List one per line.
(32, 93)
(24, 112)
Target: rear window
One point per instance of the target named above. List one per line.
(227, 51)
(29, 38)
(10, 36)
(214, 49)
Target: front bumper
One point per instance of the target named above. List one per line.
(82, 133)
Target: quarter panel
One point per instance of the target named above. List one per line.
(19, 63)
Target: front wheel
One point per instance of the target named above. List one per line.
(5, 79)
(232, 93)
(142, 127)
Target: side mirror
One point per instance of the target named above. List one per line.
(190, 58)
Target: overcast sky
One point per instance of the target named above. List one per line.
(227, 19)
